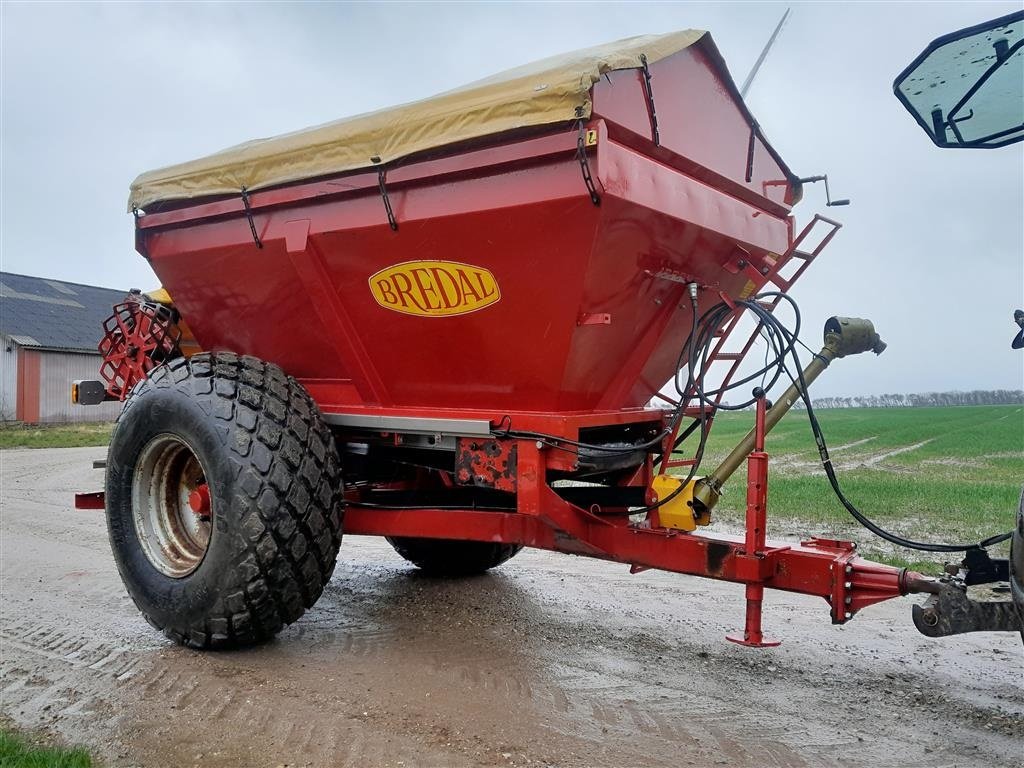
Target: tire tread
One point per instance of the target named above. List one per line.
(289, 494)
(449, 557)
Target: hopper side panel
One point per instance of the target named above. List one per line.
(655, 220)
(530, 226)
(701, 127)
(665, 191)
(237, 297)
(507, 354)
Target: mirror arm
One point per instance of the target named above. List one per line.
(952, 119)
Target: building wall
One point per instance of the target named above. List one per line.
(8, 379)
(47, 398)
(56, 372)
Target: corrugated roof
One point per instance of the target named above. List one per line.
(54, 314)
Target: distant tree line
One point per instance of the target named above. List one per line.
(974, 397)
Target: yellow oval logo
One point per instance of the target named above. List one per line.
(434, 288)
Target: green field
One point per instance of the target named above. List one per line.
(937, 474)
(55, 435)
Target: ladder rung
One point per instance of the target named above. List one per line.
(693, 412)
(679, 463)
(727, 356)
(802, 255)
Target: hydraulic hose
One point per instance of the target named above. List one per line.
(783, 342)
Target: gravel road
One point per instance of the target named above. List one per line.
(550, 660)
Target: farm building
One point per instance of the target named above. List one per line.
(49, 330)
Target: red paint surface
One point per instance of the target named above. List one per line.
(199, 500)
(518, 209)
(95, 500)
(701, 128)
(754, 541)
(27, 405)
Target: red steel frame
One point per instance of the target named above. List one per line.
(827, 568)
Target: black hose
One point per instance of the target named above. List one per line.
(860, 517)
(698, 347)
(830, 473)
(784, 343)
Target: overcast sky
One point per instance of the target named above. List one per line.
(933, 244)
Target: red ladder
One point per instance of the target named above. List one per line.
(771, 273)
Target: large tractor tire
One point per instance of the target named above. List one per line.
(449, 557)
(224, 500)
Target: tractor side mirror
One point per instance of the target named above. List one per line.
(966, 89)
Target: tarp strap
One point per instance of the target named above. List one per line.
(140, 243)
(382, 183)
(248, 215)
(650, 100)
(581, 156)
(750, 151)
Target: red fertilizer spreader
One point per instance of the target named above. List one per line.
(506, 316)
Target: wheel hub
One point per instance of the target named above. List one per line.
(199, 502)
(172, 506)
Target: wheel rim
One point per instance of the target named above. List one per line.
(174, 538)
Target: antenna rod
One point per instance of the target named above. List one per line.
(763, 56)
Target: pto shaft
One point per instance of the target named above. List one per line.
(844, 336)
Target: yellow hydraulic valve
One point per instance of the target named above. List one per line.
(677, 513)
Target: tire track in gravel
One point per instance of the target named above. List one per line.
(77, 686)
(572, 690)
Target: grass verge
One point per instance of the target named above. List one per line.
(54, 435)
(18, 751)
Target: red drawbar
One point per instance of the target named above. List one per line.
(544, 519)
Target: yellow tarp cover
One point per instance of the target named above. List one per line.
(545, 92)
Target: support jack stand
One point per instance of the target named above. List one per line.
(754, 547)
(752, 636)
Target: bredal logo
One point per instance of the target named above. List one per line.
(434, 288)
